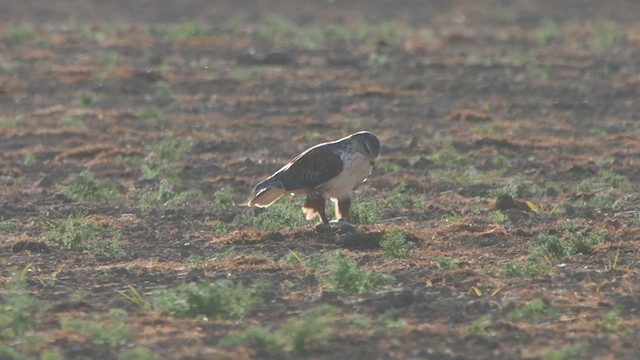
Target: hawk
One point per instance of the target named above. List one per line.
(328, 170)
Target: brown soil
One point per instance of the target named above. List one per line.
(469, 74)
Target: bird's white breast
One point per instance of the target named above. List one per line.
(356, 169)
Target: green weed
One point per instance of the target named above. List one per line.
(394, 245)
(78, 232)
(478, 327)
(447, 264)
(84, 187)
(376, 59)
(19, 311)
(19, 35)
(244, 73)
(612, 321)
(566, 353)
(110, 332)
(547, 32)
(338, 272)
(605, 35)
(219, 299)
(283, 214)
(138, 353)
(185, 31)
(86, 99)
(533, 311)
(399, 197)
(535, 266)
(298, 335)
(152, 114)
(223, 199)
(165, 196)
(448, 156)
(11, 121)
(499, 217)
(364, 211)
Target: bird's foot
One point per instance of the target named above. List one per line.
(340, 226)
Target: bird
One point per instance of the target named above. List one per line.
(328, 170)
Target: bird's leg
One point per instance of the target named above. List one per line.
(343, 205)
(314, 206)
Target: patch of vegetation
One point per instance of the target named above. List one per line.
(605, 35)
(298, 335)
(613, 322)
(518, 187)
(162, 162)
(163, 90)
(138, 353)
(547, 32)
(185, 31)
(478, 327)
(152, 114)
(110, 331)
(281, 215)
(566, 353)
(10, 121)
(86, 99)
(499, 217)
(364, 211)
(338, 272)
(223, 199)
(245, 73)
(447, 264)
(400, 197)
(19, 311)
(449, 156)
(84, 187)
(219, 299)
(376, 59)
(8, 227)
(534, 310)
(532, 267)
(395, 245)
(503, 16)
(165, 196)
(73, 121)
(19, 35)
(79, 232)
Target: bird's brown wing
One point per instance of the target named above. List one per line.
(312, 169)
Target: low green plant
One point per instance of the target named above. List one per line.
(376, 59)
(163, 90)
(8, 227)
(547, 32)
(298, 335)
(19, 311)
(532, 267)
(78, 232)
(186, 30)
(605, 34)
(165, 196)
(612, 321)
(566, 353)
(110, 331)
(223, 199)
(163, 160)
(84, 187)
(19, 34)
(499, 217)
(138, 353)
(218, 299)
(73, 121)
(447, 264)
(152, 114)
(395, 245)
(86, 99)
(364, 211)
(339, 272)
(532, 311)
(11, 121)
(478, 327)
(400, 197)
(552, 246)
(281, 215)
(449, 156)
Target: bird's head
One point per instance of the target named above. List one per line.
(367, 144)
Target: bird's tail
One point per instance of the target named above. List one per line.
(266, 193)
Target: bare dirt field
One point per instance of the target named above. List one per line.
(501, 221)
